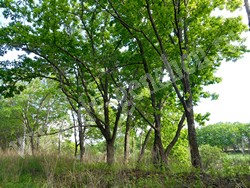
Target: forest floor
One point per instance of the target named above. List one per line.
(61, 171)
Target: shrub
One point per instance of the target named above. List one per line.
(212, 157)
(235, 165)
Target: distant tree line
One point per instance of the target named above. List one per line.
(227, 136)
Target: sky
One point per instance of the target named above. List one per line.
(233, 104)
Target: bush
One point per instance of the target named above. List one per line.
(212, 157)
(179, 159)
(235, 165)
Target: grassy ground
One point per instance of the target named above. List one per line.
(54, 171)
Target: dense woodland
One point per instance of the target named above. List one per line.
(117, 81)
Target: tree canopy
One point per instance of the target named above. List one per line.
(116, 61)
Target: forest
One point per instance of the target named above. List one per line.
(101, 93)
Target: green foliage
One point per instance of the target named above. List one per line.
(11, 125)
(235, 165)
(68, 147)
(102, 55)
(217, 163)
(212, 157)
(32, 111)
(180, 154)
(225, 135)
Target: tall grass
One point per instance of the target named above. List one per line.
(52, 170)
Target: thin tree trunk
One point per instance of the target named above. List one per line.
(127, 136)
(81, 141)
(23, 141)
(176, 137)
(32, 143)
(81, 144)
(126, 145)
(247, 11)
(37, 142)
(144, 145)
(76, 144)
(75, 133)
(59, 140)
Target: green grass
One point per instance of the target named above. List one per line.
(54, 171)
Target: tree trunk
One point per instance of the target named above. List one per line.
(76, 144)
(32, 143)
(76, 148)
(158, 154)
(194, 151)
(247, 11)
(176, 137)
(126, 145)
(22, 152)
(81, 133)
(81, 143)
(144, 145)
(37, 142)
(159, 157)
(83, 140)
(59, 140)
(75, 133)
(110, 152)
(127, 136)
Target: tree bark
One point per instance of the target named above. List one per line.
(194, 151)
(37, 142)
(110, 152)
(23, 141)
(247, 7)
(176, 137)
(126, 145)
(159, 157)
(144, 145)
(75, 135)
(127, 136)
(81, 133)
(32, 143)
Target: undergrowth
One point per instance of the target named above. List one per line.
(51, 170)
